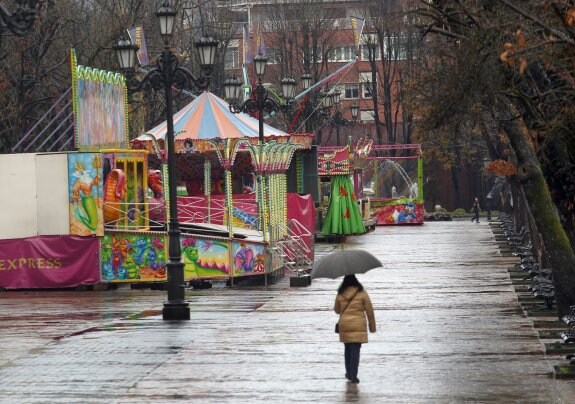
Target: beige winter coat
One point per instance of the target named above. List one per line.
(352, 323)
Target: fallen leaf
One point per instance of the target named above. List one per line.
(522, 64)
(520, 39)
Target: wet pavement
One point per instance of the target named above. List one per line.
(450, 329)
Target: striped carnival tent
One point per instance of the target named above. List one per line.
(209, 117)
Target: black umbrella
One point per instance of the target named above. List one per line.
(346, 262)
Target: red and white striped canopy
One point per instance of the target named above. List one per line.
(209, 117)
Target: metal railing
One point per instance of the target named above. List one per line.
(57, 122)
(293, 251)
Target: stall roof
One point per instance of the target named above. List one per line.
(209, 117)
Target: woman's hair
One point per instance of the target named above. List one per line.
(349, 280)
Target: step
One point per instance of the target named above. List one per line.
(559, 348)
(564, 371)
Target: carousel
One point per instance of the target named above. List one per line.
(232, 187)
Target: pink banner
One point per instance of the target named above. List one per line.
(49, 262)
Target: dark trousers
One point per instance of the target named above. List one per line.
(352, 359)
(476, 217)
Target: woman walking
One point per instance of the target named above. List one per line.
(353, 305)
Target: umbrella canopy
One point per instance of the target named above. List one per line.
(346, 262)
(209, 117)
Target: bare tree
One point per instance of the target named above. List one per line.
(304, 35)
(36, 70)
(392, 45)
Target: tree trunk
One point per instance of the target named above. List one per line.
(374, 93)
(557, 164)
(561, 256)
(456, 189)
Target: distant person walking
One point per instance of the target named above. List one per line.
(476, 210)
(353, 305)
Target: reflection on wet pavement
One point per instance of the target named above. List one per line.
(450, 329)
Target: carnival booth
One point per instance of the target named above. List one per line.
(336, 167)
(392, 177)
(234, 208)
(99, 215)
(54, 208)
(50, 223)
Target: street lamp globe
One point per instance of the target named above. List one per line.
(126, 52)
(288, 87)
(166, 17)
(233, 88)
(354, 111)
(327, 100)
(207, 47)
(331, 96)
(306, 81)
(336, 97)
(260, 62)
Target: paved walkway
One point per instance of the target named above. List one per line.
(450, 329)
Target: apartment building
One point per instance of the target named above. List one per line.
(322, 39)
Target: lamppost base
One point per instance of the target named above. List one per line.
(176, 311)
(176, 307)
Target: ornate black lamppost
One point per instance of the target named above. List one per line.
(166, 74)
(21, 20)
(261, 102)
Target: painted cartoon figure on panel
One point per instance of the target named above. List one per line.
(244, 259)
(82, 191)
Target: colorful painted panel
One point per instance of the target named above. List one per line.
(133, 258)
(406, 212)
(48, 262)
(85, 194)
(334, 162)
(249, 258)
(100, 100)
(205, 258)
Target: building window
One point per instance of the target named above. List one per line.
(351, 91)
(366, 84)
(395, 47)
(342, 54)
(274, 56)
(366, 115)
(365, 52)
(232, 60)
